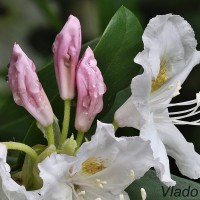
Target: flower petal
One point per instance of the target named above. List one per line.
(187, 160)
(93, 193)
(149, 133)
(54, 171)
(128, 116)
(171, 38)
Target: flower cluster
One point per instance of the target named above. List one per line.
(102, 168)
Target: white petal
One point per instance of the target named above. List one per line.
(54, 171)
(149, 133)
(92, 194)
(3, 152)
(141, 89)
(187, 160)
(10, 190)
(128, 116)
(170, 37)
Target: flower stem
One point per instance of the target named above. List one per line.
(50, 135)
(21, 147)
(79, 139)
(65, 128)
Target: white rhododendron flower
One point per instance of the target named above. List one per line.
(168, 57)
(102, 169)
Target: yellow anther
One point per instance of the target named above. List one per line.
(143, 194)
(121, 197)
(93, 165)
(162, 76)
(101, 183)
(132, 173)
(81, 193)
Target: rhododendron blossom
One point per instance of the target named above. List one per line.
(66, 49)
(168, 57)
(91, 88)
(26, 89)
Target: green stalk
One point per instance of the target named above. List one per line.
(21, 147)
(79, 139)
(65, 128)
(50, 135)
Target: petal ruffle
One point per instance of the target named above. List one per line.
(187, 160)
(54, 171)
(149, 133)
(171, 38)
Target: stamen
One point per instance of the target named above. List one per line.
(132, 173)
(181, 112)
(101, 183)
(184, 113)
(185, 103)
(121, 197)
(162, 76)
(82, 193)
(143, 194)
(178, 87)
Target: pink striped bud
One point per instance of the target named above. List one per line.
(26, 88)
(90, 91)
(66, 49)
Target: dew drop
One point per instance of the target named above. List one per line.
(93, 62)
(101, 88)
(17, 99)
(86, 102)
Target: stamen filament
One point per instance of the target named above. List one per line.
(181, 112)
(185, 103)
(187, 115)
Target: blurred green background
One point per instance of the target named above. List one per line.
(34, 24)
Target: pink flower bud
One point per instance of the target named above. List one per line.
(66, 49)
(26, 88)
(90, 91)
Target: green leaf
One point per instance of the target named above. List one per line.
(115, 52)
(183, 190)
(106, 9)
